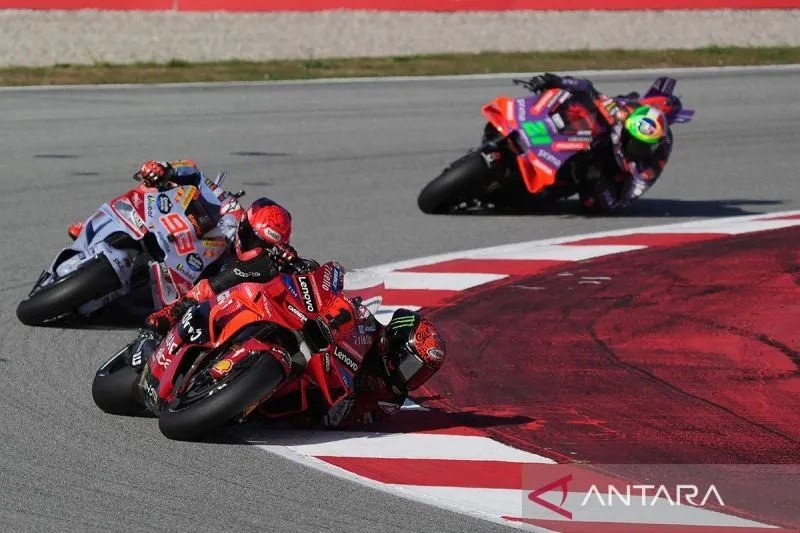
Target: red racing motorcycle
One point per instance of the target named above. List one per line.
(231, 356)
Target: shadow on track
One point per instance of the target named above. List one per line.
(643, 208)
(437, 419)
(406, 421)
(114, 317)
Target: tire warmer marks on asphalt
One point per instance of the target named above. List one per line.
(557, 353)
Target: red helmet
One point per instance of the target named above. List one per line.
(265, 225)
(154, 173)
(416, 351)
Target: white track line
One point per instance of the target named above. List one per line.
(729, 225)
(398, 490)
(437, 281)
(402, 445)
(599, 74)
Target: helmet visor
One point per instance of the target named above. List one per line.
(248, 240)
(412, 370)
(636, 150)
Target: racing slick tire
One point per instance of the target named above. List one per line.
(463, 180)
(194, 412)
(92, 280)
(115, 389)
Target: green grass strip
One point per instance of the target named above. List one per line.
(418, 65)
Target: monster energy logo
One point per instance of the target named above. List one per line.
(537, 133)
(402, 322)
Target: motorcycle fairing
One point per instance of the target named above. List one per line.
(163, 286)
(124, 217)
(542, 146)
(217, 320)
(327, 374)
(170, 216)
(251, 305)
(90, 244)
(661, 94)
(128, 214)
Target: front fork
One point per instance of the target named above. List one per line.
(499, 158)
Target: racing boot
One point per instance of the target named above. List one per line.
(74, 230)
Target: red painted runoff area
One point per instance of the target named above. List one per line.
(395, 5)
(688, 354)
(685, 354)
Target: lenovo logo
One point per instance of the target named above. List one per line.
(344, 358)
(305, 292)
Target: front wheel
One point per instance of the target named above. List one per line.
(464, 180)
(115, 388)
(208, 403)
(94, 279)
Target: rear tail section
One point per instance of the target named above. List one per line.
(683, 116)
(663, 86)
(660, 94)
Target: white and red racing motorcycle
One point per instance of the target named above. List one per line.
(166, 241)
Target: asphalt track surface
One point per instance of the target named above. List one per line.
(348, 160)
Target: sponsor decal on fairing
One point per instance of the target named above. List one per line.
(195, 262)
(163, 203)
(307, 293)
(547, 156)
(295, 311)
(346, 359)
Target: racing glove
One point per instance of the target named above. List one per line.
(166, 317)
(304, 266)
(284, 256)
(544, 81)
(575, 85)
(288, 260)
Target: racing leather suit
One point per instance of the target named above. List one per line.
(214, 207)
(217, 207)
(607, 181)
(364, 353)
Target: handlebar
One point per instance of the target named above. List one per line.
(525, 83)
(287, 258)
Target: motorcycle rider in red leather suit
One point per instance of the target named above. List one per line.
(401, 355)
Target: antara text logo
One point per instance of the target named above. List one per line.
(623, 495)
(652, 494)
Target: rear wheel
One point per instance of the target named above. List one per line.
(208, 403)
(464, 180)
(91, 281)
